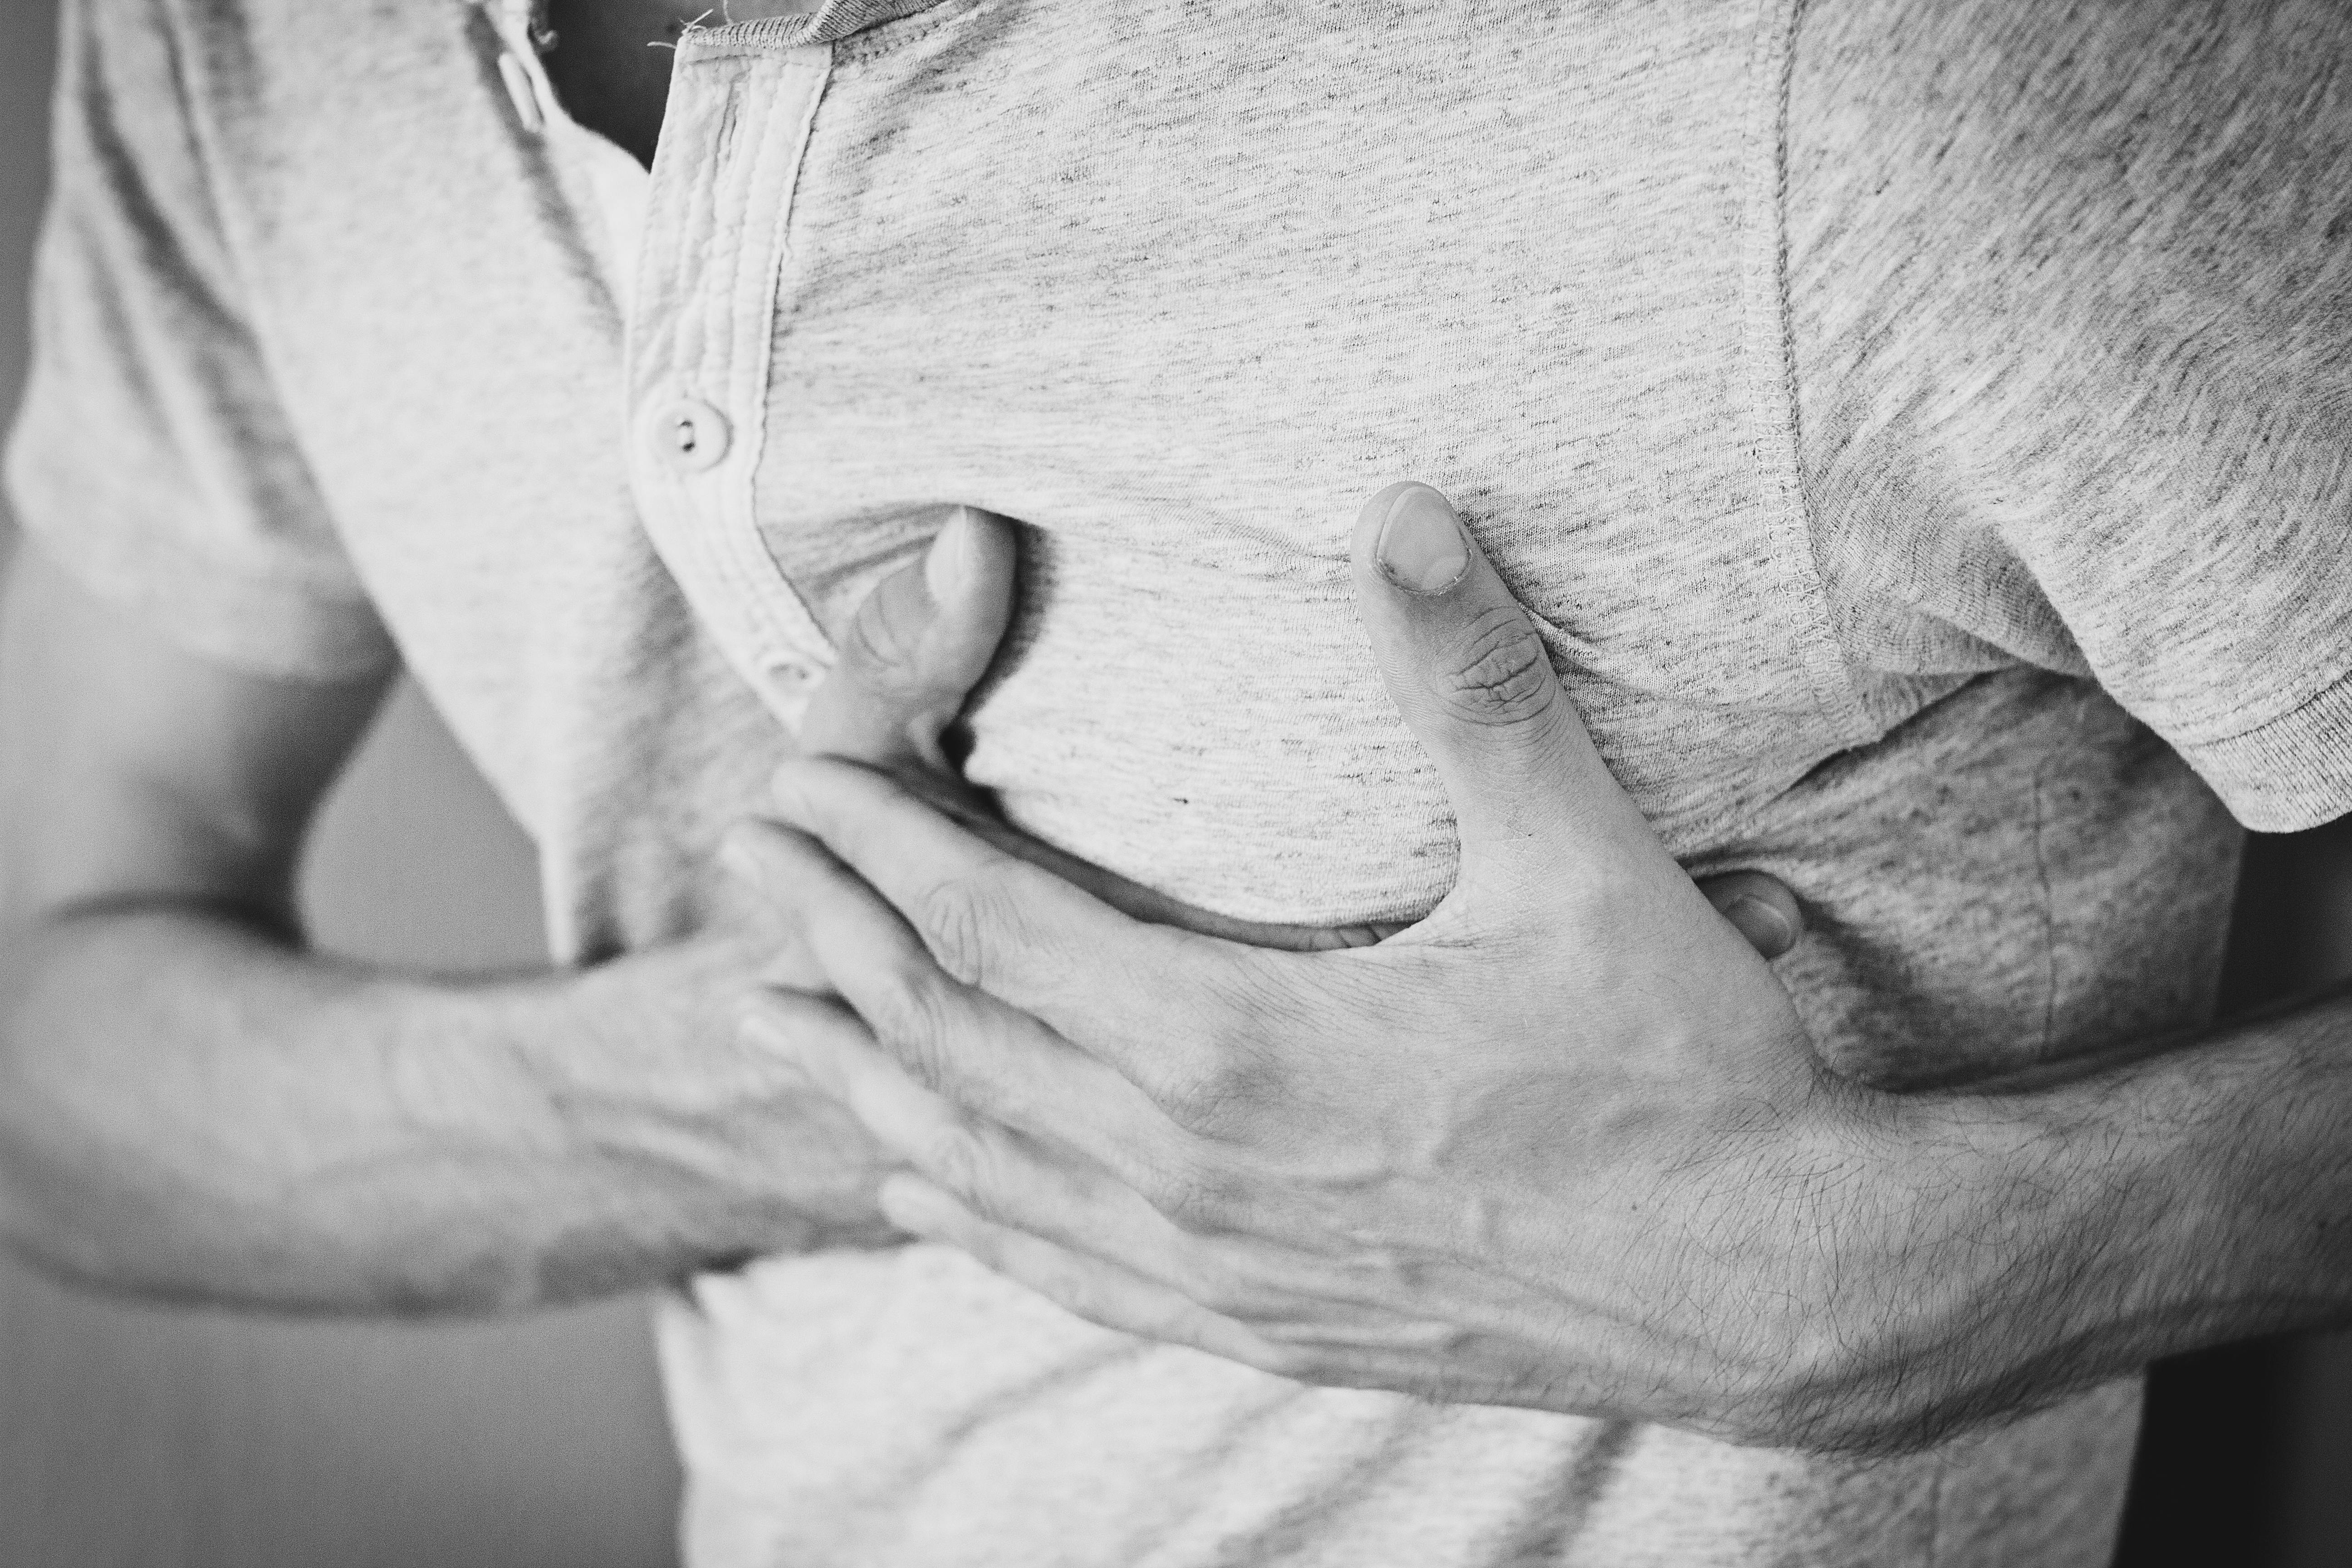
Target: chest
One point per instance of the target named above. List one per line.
(1177, 290)
(1179, 295)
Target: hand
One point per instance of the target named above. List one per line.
(919, 645)
(656, 1078)
(1562, 1144)
(660, 1080)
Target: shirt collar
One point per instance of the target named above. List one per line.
(833, 19)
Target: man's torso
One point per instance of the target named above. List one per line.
(1177, 290)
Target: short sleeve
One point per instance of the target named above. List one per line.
(2071, 295)
(151, 459)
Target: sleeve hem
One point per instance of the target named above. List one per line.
(279, 630)
(2289, 774)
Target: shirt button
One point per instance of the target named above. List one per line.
(689, 435)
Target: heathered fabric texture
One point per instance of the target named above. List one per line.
(1867, 406)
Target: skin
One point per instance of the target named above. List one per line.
(1564, 1144)
(1451, 1161)
(194, 1107)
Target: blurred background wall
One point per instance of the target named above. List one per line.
(132, 1438)
(2246, 1453)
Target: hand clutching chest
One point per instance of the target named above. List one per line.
(1564, 1143)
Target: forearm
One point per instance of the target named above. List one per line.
(193, 1109)
(2244, 1146)
(2166, 1200)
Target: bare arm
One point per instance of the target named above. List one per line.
(1453, 1165)
(2176, 1194)
(193, 1105)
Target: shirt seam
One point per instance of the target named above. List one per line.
(2193, 737)
(755, 571)
(202, 157)
(1767, 321)
(236, 296)
(891, 37)
(309, 635)
(104, 515)
(771, 35)
(2332, 687)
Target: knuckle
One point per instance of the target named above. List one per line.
(966, 920)
(1213, 1094)
(1502, 673)
(954, 1159)
(885, 641)
(953, 921)
(1228, 1071)
(911, 1018)
(1200, 1194)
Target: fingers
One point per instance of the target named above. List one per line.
(1759, 908)
(961, 1146)
(1469, 673)
(771, 864)
(1127, 991)
(1155, 908)
(1095, 1288)
(1046, 1179)
(918, 646)
(951, 1040)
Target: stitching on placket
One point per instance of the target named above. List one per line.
(755, 302)
(880, 42)
(1770, 372)
(707, 323)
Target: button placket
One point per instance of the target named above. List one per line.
(702, 340)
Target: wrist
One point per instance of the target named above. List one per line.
(721, 1151)
(2172, 1202)
(1968, 1272)
(2248, 1148)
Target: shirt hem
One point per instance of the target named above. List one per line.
(2291, 772)
(276, 629)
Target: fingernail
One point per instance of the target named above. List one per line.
(1766, 929)
(948, 564)
(1421, 547)
(913, 1204)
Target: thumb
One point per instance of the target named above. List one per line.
(1469, 673)
(917, 647)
